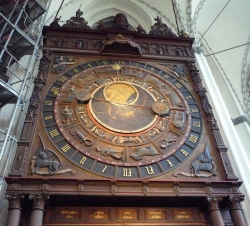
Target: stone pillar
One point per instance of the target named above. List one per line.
(235, 210)
(214, 210)
(14, 209)
(36, 218)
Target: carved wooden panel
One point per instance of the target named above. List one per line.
(20, 160)
(124, 216)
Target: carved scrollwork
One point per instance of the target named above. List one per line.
(202, 93)
(39, 83)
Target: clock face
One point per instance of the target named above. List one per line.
(122, 119)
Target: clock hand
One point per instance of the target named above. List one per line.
(133, 105)
(159, 107)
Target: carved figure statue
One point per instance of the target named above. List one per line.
(30, 114)
(167, 142)
(178, 51)
(71, 95)
(184, 34)
(59, 42)
(179, 120)
(46, 158)
(175, 100)
(79, 44)
(55, 22)
(205, 163)
(205, 103)
(160, 50)
(158, 20)
(68, 116)
(100, 25)
(77, 21)
(60, 63)
(140, 29)
(119, 155)
(144, 151)
(159, 28)
(120, 21)
(36, 96)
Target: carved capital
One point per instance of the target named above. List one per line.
(14, 201)
(38, 201)
(213, 203)
(234, 202)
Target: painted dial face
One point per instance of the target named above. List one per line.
(135, 122)
(123, 107)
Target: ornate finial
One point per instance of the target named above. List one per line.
(159, 28)
(77, 21)
(158, 20)
(55, 22)
(79, 12)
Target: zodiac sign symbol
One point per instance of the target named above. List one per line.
(82, 138)
(144, 151)
(119, 155)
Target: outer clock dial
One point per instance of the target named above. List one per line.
(134, 123)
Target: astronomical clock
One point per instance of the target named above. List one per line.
(119, 129)
(122, 118)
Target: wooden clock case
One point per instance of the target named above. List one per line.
(83, 195)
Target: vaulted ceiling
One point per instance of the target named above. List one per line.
(216, 25)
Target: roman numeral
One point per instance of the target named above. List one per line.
(170, 163)
(53, 133)
(66, 148)
(185, 153)
(150, 170)
(48, 117)
(83, 160)
(127, 172)
(193, 138)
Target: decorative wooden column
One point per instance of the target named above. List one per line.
(214, 210)
(14, 209)
(235, 210)
(36, 218)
